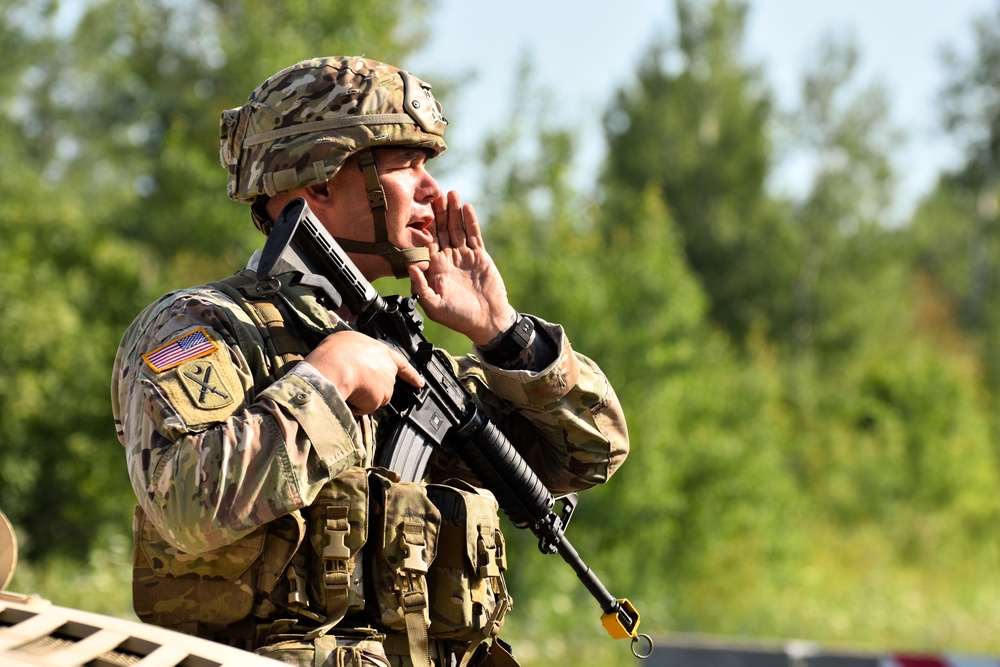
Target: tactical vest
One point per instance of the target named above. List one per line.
(424, 560)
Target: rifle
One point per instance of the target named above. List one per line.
(442, 413)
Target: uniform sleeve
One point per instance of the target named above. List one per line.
(564, 419)
(210, 456)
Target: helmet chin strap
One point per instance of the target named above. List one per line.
(398, 257)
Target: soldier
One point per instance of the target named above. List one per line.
(250, 416)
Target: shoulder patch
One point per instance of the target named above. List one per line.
(205, 384)
(203, 387)
(192, 345)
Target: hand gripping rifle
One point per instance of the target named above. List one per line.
(442, 413)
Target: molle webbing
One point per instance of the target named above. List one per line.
(270, 314)
(338, 530)
(405, 546)
(331, 575)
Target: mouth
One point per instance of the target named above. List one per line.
(423, 228)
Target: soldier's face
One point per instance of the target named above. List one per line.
(410, 192)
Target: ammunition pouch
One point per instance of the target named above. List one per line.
(338, 529)
(405, 528)
(439, 567)
(340, 651)
(468, 595)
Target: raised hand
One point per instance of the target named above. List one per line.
(461, 288)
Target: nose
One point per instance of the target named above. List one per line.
(427, 189)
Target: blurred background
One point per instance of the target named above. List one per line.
(775, 227)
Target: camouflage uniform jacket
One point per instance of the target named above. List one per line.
(213, 453)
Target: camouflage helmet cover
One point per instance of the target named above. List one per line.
(300, 125)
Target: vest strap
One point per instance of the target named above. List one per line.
(413, 590)
(267, 312)
(336, 561)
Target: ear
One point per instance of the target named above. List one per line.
(318, 196)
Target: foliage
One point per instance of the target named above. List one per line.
(100, 583)
(811, 385)
(955, 233)
(695, 127)
(804, 408)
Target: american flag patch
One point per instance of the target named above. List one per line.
(189, 346)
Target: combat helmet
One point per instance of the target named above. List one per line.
(300, 126)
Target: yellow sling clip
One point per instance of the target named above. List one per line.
(622, 622)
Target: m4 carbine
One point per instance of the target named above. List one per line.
(442, 412)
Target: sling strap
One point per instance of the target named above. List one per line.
(262, 302)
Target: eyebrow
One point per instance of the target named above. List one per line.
(400, 154)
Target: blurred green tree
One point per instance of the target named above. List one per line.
(956, 238)
(696, 126)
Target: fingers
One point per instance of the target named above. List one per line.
(363, 369)
(456, 221)
(441, 220)
(407, 373)
(457, 226)
(376, 388)
(474, 235)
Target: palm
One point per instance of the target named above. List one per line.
(462, 288)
